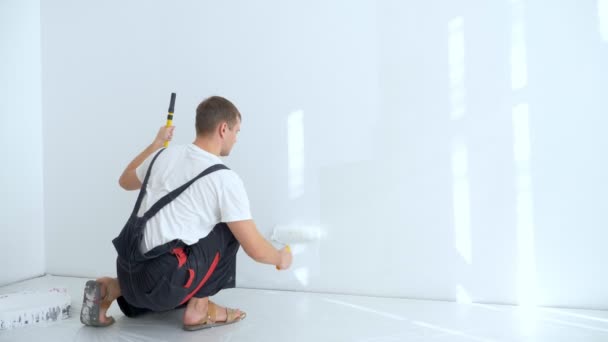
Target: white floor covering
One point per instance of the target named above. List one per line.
(296, 316)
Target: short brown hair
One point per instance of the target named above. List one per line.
(212, 112)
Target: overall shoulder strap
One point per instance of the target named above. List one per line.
(173, 194)
(142, 191)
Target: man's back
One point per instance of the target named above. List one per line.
(217, 197)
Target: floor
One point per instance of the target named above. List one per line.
(296, 316)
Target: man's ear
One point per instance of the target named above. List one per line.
(222, 128)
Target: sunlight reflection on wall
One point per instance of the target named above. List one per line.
(602, 13)
(526, 256)
(460, 177)
(295, 154)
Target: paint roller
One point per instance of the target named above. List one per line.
(292, 234)
(170, 114)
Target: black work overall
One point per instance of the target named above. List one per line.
(169, 275)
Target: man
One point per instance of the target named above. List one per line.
(179, 246)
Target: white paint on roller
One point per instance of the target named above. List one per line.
(305, 243)
(294, 233)
(29, 308)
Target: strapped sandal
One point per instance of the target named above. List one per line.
(91, 305)
(232, 316)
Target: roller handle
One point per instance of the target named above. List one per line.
(170, 114)
(172, 103)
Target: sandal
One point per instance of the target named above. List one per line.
(210, 321)
(91, 306)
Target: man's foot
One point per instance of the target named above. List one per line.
(98, 296)
(202, 313)
(110, 290)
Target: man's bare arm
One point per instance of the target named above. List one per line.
(128, 180)
(257, 247)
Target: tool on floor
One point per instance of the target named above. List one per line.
(170, 114)
(27, 308)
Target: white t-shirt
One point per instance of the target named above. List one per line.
(217, 197)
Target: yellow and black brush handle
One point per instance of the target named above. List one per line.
(170, 115)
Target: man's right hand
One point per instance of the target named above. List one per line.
(286, 258)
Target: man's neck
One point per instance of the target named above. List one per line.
(208, 145)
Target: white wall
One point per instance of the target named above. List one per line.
(21, 213)
(448, 149)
